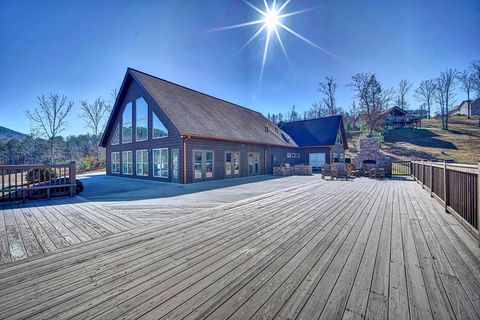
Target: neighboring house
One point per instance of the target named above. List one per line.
(395, 118)
(462, 108)
(321, 140)
(161, 130)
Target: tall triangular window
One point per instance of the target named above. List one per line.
(159, 130)
(116, 135)
(339, 139)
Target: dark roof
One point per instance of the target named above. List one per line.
(396, 110)
(198, 114)
(315, 132)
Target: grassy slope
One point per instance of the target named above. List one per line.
(460, 143)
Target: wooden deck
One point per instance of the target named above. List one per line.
(324, 250)
(37, 227)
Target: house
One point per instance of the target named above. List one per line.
(462, 108)
(164, 131)
(320, 140)
(395, 118)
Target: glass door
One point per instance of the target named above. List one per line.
(175, 165)
(202, 165)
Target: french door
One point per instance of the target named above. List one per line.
(202, 165)
(175, 154)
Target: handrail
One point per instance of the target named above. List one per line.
(19, 182)
(456, 186)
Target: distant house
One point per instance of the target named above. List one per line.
(164, 131)
(462, 108)
(321, 140)
(395, 118)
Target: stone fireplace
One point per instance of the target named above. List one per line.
(369, 153)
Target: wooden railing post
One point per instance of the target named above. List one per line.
(445, 185)
(72, 171)
(423, 174)
(431, 178)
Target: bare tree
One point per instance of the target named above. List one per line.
(425, 93)
(403, 88)
(293, 115)
(372, 98)
(328, 89)
(475, 68)
(445, 93)
(467, 81)
(49, 117)
(94, 115)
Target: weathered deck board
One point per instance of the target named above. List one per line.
(37, 227)
(329, 250)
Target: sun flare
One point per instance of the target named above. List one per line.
(271, 22)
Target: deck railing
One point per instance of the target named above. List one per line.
(37, 181)
(456, 186)
(401, 168)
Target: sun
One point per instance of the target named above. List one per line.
(271, 22)
(272, 19)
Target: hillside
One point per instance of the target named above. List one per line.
(7, 134)
(460, 143)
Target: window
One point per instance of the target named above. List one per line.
(159, 130)
(115, 162)
(127, 163)
(339, 139)
(160, 163)
(116, 136)
(253, 163)
(142, 162)
(141, 125)
(127, 124)
(266, 129)
(236, 163)
(228, 164)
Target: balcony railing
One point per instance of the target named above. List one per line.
(37, 181)
(456, 186)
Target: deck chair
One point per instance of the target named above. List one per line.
(327, 171)
(380, 171)
(341, 171)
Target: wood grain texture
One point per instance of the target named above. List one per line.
(323, 250)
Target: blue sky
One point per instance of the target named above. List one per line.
(82, 49)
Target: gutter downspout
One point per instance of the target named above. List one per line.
(185, 140)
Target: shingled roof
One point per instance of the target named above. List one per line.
(198, 114)
(315, 132)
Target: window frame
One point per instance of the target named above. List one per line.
(131, 122)
(254, 172)
(116, 132)
(127, 163)
(143, 119)
(117, 162)
(143, 163)
(167, 164)
(153, 126)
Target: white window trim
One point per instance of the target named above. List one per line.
(153, 127)
(131, 123)
(136, 120)
(111, 162)
(131, 173)
(137, 152)
(153, 163)
(116, 131)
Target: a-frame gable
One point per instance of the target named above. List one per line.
(129, 84)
